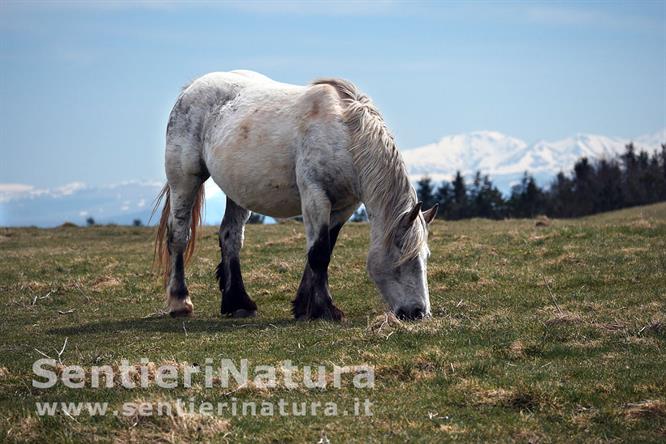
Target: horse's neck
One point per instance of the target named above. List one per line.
(378, 229)
(383, 180)
(382, 212)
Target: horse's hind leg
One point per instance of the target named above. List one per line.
(183, 194)
(235, 300)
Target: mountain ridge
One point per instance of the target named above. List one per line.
(505, 158)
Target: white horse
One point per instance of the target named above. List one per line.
(286, 150)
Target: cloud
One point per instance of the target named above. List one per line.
(14, 190)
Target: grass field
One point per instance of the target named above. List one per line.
(542, 334)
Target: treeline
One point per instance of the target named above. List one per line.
(632, 178)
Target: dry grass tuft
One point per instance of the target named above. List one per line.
(479, 395)
(452, 429)
(584, 417)
(282, 266)
(565, 318)
(542, 221)
(250, 386)
(528, 436)
(642, 223)
(645, 409)
(384, 323)
(168, 424)
(610, 326)
(4, 373)
(105, 283)
(295, 237)
(517, 349)
(24, 429)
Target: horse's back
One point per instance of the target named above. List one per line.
(255, 130)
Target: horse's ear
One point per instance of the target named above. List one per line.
(411, 217)
(429, 215)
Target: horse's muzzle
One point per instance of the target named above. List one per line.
(411, 313)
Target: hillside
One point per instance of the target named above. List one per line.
(539, 334)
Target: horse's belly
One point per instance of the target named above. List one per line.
(262, 181)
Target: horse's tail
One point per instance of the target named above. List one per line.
(162, 257)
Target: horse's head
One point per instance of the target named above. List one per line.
(398, 266)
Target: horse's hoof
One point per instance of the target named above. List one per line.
(333, 313)
(179, 308)
(336, 314)
(243, 313)
(180, 313)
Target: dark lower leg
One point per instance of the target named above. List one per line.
(177, 288)
(313, 299)
(235, 300)
(333, 234)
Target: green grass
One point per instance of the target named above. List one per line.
(552, 334)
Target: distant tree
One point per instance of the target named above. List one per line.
(360, 215)
(444, 196)
(474, 195)
(256, 218)
(90, 221)
(631, 182)
(488, 201)
(652, 179)
(632, 178)
(662, 161)
(426, 192)
(459, 208)
(560, 196)
(608, 194)
(137, 222)
(527, 199)
(584, 189)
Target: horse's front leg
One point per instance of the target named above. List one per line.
(313, 299)
(235, 300)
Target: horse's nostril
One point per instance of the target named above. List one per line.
(410, 313)
(418, 313)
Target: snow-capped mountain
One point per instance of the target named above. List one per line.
(506, 158)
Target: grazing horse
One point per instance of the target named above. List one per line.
(285, 150)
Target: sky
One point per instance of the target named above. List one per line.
(86, 87)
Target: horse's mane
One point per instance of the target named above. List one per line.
(382, 173)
